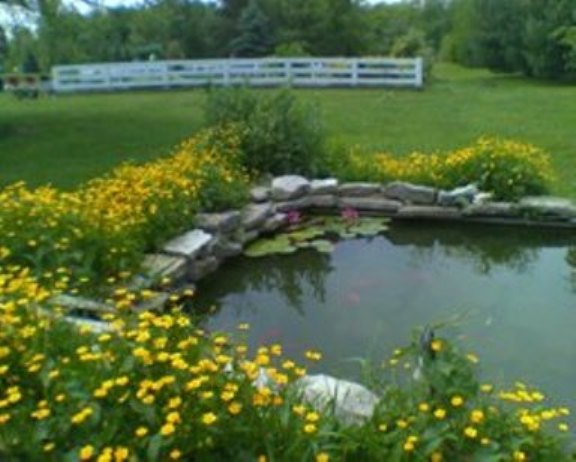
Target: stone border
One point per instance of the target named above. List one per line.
(218, 236)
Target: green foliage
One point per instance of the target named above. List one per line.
(255, 38)
(278, 133)
(508, 169)
(291, 50)
(529, 36)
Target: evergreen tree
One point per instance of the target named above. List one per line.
(255, 36)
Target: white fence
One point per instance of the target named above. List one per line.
(297, 72)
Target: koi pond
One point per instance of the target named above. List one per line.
(509, 295)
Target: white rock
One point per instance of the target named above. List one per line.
(188, 245)
(160, 265)
(411, 193)
(326, 186)
(254, 215)
(352, 403)
(289, 187)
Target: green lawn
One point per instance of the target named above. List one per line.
(68, 139)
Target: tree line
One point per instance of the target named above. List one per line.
(533, 37)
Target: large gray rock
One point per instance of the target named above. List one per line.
(275, 222)
(244, 237)
(547, 207)
(159, 265)
(202, 267)
(459, 197)
(351, 402)
(429, 212)
(254, 215)
(492, 209)
(376, 204)
(260, 194)
(359, 189)
(322, 187)
(296, 204)
(225, 248)
(288, 187)
(325, 201)
(188, 245)
(410, 193)
(223, 222)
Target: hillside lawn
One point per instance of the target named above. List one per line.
(65, 140)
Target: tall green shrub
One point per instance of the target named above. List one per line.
(278, 133)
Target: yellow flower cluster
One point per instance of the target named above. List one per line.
(508, 168)
(153, 377)
(103, 228)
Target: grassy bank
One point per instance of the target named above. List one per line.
(69, 139)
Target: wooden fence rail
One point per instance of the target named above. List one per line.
(264, 72)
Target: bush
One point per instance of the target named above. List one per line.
(507, 168)
(277, 133)
(155, 387)
(103, 229)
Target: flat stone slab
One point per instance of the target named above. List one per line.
(224, 248)
(260, 194)
(188, 245)
(429, 212)
(159, 265)
(351, 402)
(275, 222)
(324, 201)
(410, 193)
(288, 187)
(223, 222)
(359, 189)
(297, 204)
(548, 206)
(460, 196)
(378, 204)
(492, 209)
(244, 237)
(326, 186)
(203, 267)
(254, 215)
(72, 302)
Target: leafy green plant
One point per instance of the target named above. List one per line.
(278, 133)
(153, 386)
(510, 169)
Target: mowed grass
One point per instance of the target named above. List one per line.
(66, 140)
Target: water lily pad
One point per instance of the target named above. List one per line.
(306, 234)
(277, 245)
(322, 245)
(368, 227)
(310, 236)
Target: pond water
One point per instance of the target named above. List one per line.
(514, 290)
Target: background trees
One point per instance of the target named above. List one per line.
(534, 37)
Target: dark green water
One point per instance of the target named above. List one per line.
(514, 287)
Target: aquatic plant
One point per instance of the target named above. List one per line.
(316, 233)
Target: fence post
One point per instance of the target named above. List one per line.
(419, 71)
